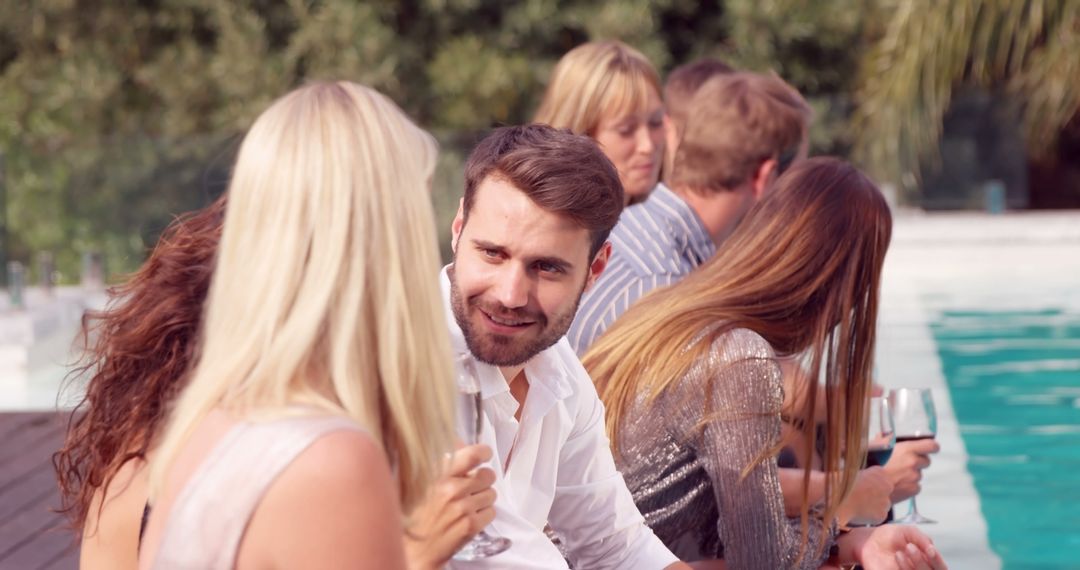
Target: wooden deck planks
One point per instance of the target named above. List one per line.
(32, 536)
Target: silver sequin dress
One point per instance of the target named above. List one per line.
(685, 478)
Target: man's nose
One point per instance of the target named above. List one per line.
(512, 290)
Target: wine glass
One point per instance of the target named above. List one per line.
(880, 439)
(915, 418)
(880, 432)
(483, 545)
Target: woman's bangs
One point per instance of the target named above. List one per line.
(627, 94)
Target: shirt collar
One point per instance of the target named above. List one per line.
(666, 203)
(546, 370)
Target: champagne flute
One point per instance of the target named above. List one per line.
(915, 418)
(483, 545)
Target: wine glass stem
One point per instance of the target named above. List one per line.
(912, 509)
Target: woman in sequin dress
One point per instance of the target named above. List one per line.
(693, 389)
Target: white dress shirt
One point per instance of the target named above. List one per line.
(561, 472)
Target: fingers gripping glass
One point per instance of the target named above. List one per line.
(880, 439)
(482, 545)
(915, 418)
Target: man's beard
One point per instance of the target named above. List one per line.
(502, 350)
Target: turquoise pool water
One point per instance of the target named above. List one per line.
(1014, 380)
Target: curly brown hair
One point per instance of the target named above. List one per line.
(137, 352)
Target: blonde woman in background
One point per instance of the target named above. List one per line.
(611, 92)
(320, 406)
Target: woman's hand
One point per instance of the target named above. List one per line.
(459, 505)
(906, 465)
(890, 547)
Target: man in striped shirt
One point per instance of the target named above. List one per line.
(741, 131)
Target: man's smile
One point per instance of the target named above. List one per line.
(503, 324)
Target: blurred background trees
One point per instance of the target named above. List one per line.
(116, 115)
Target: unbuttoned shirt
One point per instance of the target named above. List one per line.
(656, 243)
(554, 467)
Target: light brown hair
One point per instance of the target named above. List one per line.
(561, 172)
(593, 79)
(735, 122)
(684, 81)
(803, 272)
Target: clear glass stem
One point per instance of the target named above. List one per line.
(913, 516)
(483, 545)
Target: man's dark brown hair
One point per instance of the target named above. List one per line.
(684, 81)
(561, 172)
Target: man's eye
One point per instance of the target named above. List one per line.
(548, 267)
(492, 253)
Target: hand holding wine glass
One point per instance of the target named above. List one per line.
(482, 545)
(915, 419)
(457, 507)
(869, 502)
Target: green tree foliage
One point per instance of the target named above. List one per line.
(116, 115)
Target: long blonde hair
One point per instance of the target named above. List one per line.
(593, 79)
(325, 291)
(802, 271)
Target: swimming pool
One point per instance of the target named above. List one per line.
(1014, 381)
(985, 311)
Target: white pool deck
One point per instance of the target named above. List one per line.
(36, 345)
(937, 261)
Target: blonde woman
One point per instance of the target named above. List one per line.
(610, 92)
(693, 390)
(320, 405)
(138, 359)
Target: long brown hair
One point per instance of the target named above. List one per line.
(138, 351)
(802, 271)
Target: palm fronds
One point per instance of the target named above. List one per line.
(1026, 48)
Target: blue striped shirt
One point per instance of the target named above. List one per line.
(655, 243)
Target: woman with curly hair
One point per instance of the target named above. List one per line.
(139, 350)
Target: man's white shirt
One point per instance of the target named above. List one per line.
(555, 468)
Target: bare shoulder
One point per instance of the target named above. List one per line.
(343, 465)
(341, 454)
(335, 506)
(111, 533)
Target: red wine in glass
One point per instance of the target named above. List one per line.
(880, 432)
(915, 419)
(903, 438)
(878, 457)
